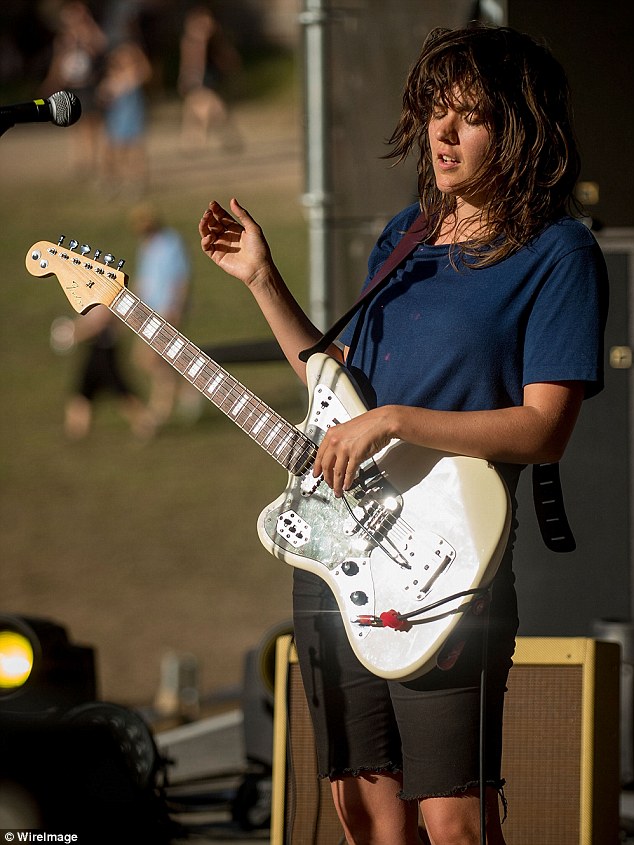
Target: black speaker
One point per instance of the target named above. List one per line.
(560, 760)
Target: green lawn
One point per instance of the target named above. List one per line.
(140, 548)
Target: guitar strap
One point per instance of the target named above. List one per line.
(547, 493)
(548, 498)
(410, 240)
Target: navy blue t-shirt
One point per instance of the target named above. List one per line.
(456, 338)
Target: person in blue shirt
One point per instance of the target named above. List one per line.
(163, 281)
(483, 342)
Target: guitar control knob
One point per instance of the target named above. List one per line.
(358, 597)
(349, 567)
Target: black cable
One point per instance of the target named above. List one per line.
(482, 739)
(476, 592)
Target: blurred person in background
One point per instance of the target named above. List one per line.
(484, 342)
(79, 49)
(206, 58)
(162, 281)
(122, 96)
(100, 372)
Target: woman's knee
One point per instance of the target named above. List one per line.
(455, 820)
(371, 812)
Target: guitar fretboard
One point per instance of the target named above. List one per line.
(283, 441)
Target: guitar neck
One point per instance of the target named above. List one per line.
(283, 441)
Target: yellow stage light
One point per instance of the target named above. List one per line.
(41, 671)
(16, 660)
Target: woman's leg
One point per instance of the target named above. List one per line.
(456, 820)
(371, 811)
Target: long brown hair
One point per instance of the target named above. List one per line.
(521, 94)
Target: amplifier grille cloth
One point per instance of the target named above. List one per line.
(313, 819)
(542, 754)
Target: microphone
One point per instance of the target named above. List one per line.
(62, 109)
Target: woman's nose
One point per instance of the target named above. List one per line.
(445, 129)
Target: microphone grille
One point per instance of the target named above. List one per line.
(65, 108)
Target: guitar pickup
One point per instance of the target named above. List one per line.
(310, 483)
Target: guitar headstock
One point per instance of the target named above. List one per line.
(85, 280)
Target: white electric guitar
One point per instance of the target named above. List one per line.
(406, 551)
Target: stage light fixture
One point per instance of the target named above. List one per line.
(67, 760)
(41, 672)
(16, 660)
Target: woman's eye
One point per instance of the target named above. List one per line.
(473, 118)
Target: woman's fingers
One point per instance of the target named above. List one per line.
(347, 445)
(244, 218)
(218, 228)
(338, 467)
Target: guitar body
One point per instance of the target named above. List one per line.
(428, 525)
(419, 533)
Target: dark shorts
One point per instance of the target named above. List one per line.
(101, 373)
(427, 728)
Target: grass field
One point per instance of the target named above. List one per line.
(141, 548)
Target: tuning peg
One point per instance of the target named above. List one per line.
(121, 263)
(97, 254)
(108, 259)
(73, 244)
(61, 240)
(84, 249)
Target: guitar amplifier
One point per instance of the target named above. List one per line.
(561, 749)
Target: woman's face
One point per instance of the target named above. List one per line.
(458, 140)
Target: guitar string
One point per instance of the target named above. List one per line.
(236, 391)
(372, 534)
(284, 445)
(287, 443)
(189, 353)
(288, 448)
(293, 443)
(230, 391)
(423, 608)
(399, 526)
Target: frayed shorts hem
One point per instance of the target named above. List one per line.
(337, 774)
(453, 793)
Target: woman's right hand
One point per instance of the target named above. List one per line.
(235, 243)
